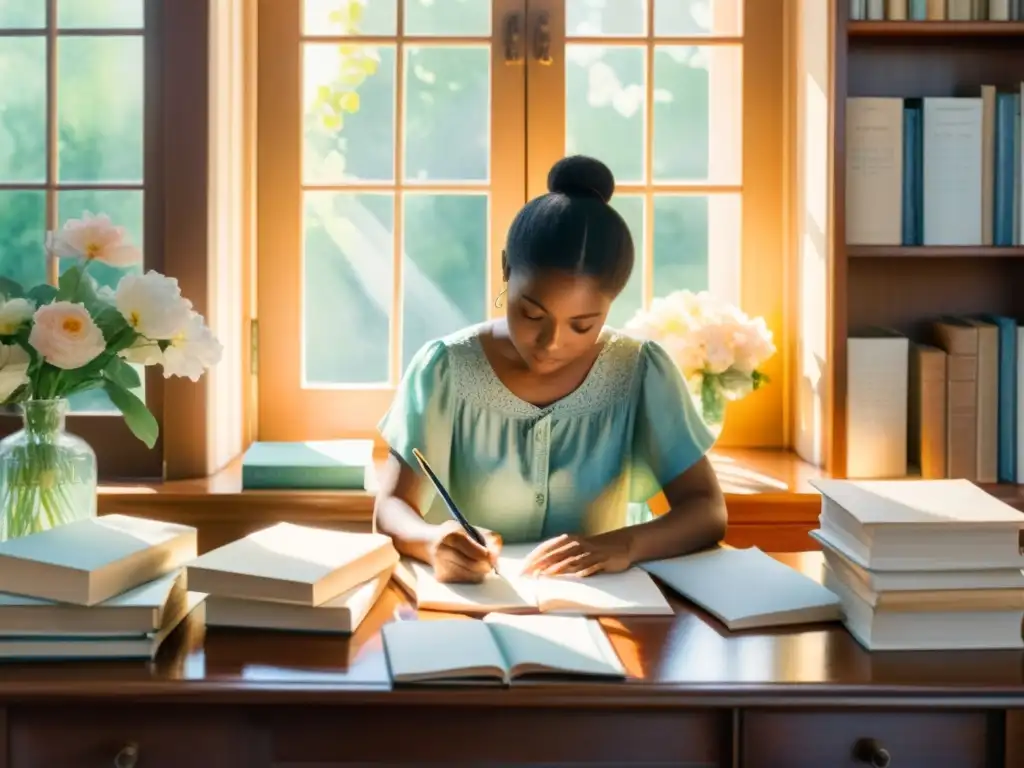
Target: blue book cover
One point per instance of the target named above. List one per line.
(913, 173)
(1005, 169)
(918, 10)
(1007, 428)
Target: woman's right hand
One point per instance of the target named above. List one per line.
(455, 557)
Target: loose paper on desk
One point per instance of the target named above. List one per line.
(631, 592)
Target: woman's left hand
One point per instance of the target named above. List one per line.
(568, 555)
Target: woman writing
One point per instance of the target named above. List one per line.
(546, 426)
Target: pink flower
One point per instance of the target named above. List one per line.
(94, 238)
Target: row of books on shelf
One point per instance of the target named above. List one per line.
(947, 404)
(935, 170)
(936, 10)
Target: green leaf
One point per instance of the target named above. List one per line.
(11, 289)
(76, 286)
(42, 294)
(122, 373)
(140, 421)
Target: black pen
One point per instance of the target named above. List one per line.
(472, 532)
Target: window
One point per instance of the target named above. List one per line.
(73, 138)
(398, 138)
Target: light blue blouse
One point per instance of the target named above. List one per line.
(585, 464)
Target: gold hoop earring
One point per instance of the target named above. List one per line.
(498, 303)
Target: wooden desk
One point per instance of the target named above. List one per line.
(705, 697)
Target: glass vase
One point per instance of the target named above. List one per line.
(47, 476)
(711, 402)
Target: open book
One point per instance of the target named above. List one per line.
(500, 648)
(631, 592)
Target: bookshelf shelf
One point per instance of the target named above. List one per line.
(935, 29)
(933, 252)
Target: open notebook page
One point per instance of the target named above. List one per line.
(442, 649)
(504, 591)
(571, 645)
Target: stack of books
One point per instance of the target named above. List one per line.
(923, 564)
(294, 578)
(106, 587)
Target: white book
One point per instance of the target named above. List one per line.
(340, 615)
(927, 630)
(999, 10)
(953, 170)
(874, 171)
(747, 589)
(68, 648)
(877, 410)
(91, 560)
(1020, 405)
(134, 612)
(631, 592)
(841, 562)
(919, 525)
(500, 648)
(291, 563)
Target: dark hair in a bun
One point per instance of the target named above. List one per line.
(573, 228)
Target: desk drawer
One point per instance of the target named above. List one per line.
(449, 735)
(801, 739)
(126, 737)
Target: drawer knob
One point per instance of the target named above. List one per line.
(128, 757)
(870, 752)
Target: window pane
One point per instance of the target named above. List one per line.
(444, 269)
(589, 18)
(22, 227)
(110, 14)
(100, 109)
(698, 120)
(698, 17)
(23, 14)
(349, 17)
(348, 285)
(697, 244)
(447, 113)
(448, 17)
(631, 207)
(604, 106)
(124, 207)
(22, 109)
(349, 123)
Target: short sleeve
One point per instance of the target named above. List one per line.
(419, 415)
(669, 435)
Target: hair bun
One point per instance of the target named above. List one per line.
(581, 176)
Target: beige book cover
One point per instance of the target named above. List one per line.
(877, 371)
(936, 10)
(874, 171)
(988, 162)
(134, 612)
(68, 647)
(499, 648)
(291, 563)
(926, 434)
(631, 592)
(89, 561)
(340, 615)
(960, 341)
(987, 397)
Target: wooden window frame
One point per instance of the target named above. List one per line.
(760, 420)
(176, 243)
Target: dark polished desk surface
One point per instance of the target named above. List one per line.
(689, 656)
(804, 697)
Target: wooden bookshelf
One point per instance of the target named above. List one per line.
(945, 29)
(843, 287)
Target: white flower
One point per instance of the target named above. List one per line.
(152, 304)
(192, 351)
(143, 352)
(13, 314)
(94, 238)
(65, 335)
(13, 369)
